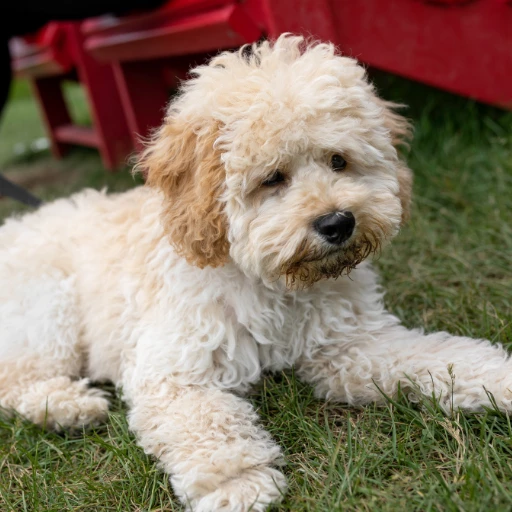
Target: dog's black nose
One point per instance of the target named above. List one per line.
(335, 227)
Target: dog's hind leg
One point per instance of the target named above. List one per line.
(40, 354)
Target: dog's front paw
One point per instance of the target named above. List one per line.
(252, 491)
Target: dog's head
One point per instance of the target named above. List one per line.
(283, 159)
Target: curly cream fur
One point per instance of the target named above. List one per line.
(185, 291)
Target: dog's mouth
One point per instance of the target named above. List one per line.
(311, 266)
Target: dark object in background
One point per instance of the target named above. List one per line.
(9, 189)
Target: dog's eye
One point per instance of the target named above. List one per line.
(274, 179)
(338, 163)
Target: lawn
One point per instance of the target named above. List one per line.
(449, 269)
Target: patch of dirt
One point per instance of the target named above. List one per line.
(43, 175)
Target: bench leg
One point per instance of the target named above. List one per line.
(49, 96)
(144, 94)
(114, 141)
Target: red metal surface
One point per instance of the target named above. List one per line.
(464, 49)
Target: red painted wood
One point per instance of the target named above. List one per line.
(44, 65)
(44, 51)
(48, 93)
(226, 27)
(447, 2)
(180, 28)
(464, 49)
(80, 135)
(314, 18)
(171, 11)
(144, 93)
(464, 46)
(105, 104)
(39, 64)
(461, 45)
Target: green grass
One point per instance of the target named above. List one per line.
(449, 269)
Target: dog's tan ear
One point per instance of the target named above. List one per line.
(401, 133)
(187, 168)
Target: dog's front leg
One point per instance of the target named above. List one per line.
(460, 372)
(210, 443)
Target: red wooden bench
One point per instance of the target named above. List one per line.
(151, 52)
(464, 46)
(55, 54)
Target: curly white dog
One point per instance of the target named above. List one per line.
(274, 170)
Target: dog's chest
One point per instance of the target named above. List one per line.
(276, 327)
(233, 330)
(233, 340)
(280, 328)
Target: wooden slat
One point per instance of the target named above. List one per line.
(223, 28)
(80, 135)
